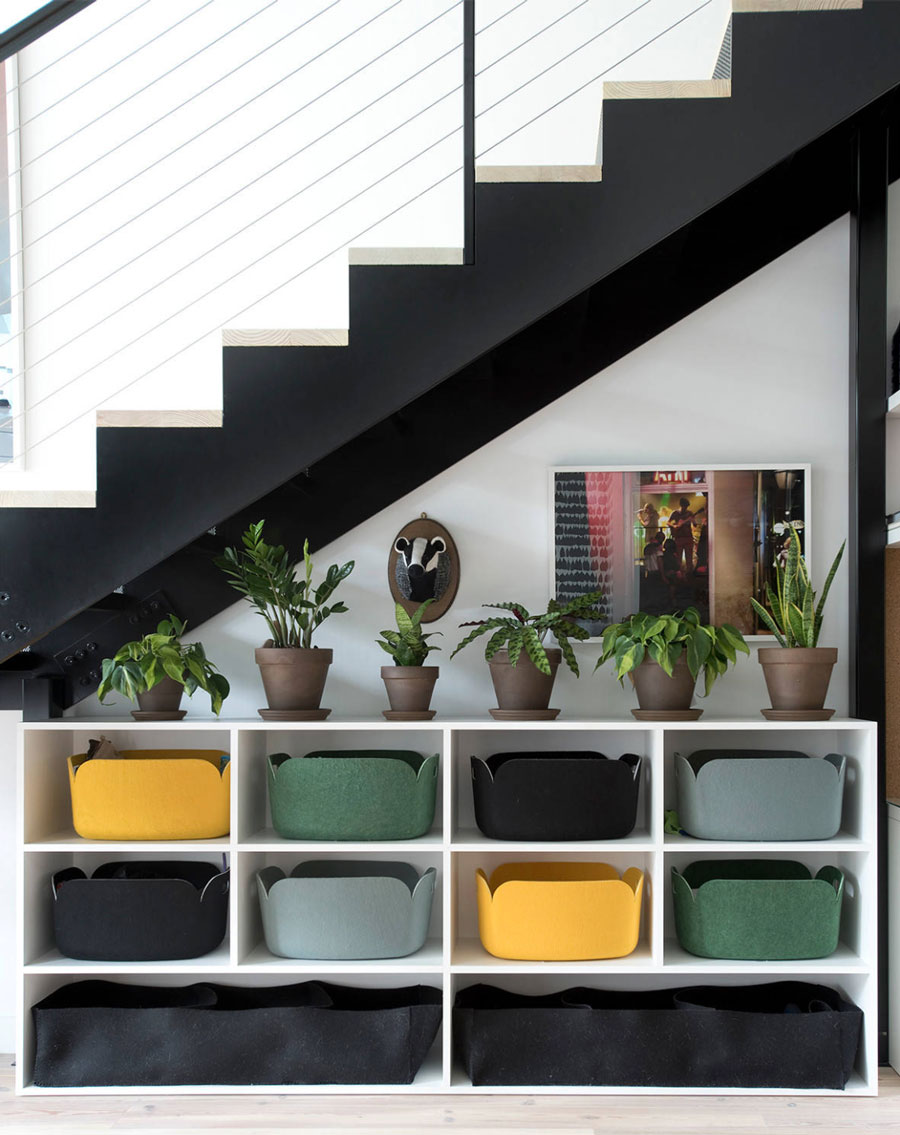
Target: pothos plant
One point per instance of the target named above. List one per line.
(138, 666)
(795, 618)
(266, 574)
(407, 645)
(522, 631)
(666, 638)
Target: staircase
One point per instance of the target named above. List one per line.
(695, 195)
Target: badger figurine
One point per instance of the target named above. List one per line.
(423, 569)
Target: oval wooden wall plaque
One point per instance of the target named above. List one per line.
(424, 564)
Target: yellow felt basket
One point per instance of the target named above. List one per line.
(559, 912)
(151, 794)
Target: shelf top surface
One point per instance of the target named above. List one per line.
(708, 722)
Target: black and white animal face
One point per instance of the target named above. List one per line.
(419, 567)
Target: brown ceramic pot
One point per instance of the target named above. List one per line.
(657, 691)
(165, 697)
(523, 686)
(797, 677)
(293, 677)
(409, 688)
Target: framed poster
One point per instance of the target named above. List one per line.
(659, 540)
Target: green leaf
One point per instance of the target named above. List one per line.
(698, 650)
(568, 654)
(820, 609)
(514, 647)
(404, 622)
(766, 619)
(535, 650)
(629, 658)
(496, 641)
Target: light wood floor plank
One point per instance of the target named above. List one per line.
(479, 1115)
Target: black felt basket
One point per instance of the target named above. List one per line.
(93, 1033)
(136, 911)
(788, 1034)
(556, 795)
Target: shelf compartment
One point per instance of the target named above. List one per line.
(782, 1035)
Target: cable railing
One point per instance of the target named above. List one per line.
(155, 291)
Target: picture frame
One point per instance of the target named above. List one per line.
(625, 530)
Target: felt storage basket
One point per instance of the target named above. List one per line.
(345, 909)
(152, 794)
(757, 909)
(755, 794)
(353, 794)
(93, 1033)
(555, 795)
(559, 911)
(788, 1034)
(140, 911)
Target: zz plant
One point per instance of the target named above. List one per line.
(795, 618)
(138, 666)
(266, 575)
(407, 645)
(522, 631)
(665, 638)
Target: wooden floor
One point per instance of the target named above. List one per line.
(396, 1115)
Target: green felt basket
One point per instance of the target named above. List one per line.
(357, 794)
(757, 909)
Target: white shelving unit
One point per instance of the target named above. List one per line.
(453, 956)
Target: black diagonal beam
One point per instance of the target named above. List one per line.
(866, 535)
(45, 19)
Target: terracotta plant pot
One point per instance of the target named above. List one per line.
(293, 677)
(409, 688)
(797, 677)
(657, 692)
(162, 701)
(523, 686)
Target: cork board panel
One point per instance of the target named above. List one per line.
(892, 668)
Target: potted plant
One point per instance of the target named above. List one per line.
(522, 668)
(157, 669)
(293, 671)
(664, 655)
(798, 670)
(409, 683)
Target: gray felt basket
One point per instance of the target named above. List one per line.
(345, 909)
(759, 794)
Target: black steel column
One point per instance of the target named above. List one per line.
(469, 129)
(866, 535)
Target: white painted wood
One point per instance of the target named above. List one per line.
(405, 255)
(159, 419)
(453, 955)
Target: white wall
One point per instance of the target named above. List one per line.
(117, 283)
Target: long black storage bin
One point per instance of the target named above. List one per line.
(94, 1033)
(789, 1034)
(556, 795)
(139, 911)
